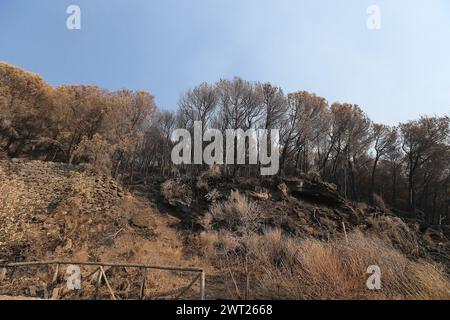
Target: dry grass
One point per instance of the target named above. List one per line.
(273, 265)
(237, 214)
(96, 151)
(311, 269)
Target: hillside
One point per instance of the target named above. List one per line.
(58, 211)
(55, 211)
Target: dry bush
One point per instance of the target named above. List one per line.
(237, 214)
(229, 226)
(177, 193)
(273, 248)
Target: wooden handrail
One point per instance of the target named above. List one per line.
(102, 274)
(103, 264)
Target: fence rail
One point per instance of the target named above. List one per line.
(101, 273)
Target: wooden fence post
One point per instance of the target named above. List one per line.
(202, 286)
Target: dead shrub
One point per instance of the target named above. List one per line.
(237, 214)
(229, 226)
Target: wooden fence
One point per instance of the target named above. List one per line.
(102, 275)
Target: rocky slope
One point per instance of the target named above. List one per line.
(55, 211)
(305, 207)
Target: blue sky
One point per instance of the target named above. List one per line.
(167, 46)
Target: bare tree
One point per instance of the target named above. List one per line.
(421, 140)
(385, 142)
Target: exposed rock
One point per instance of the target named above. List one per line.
(320, 192)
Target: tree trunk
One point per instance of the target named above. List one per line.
(372, 181)
(411, 193)
(394, 187)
